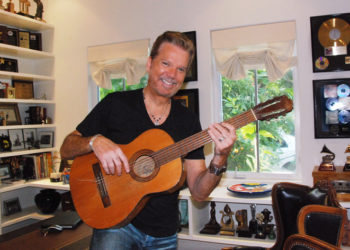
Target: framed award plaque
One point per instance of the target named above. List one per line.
(332, 108)
(330, 36)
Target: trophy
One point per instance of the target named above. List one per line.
(242, 227)
(327, 160)
(227, 223)
(347, 163)
(253, 223)
(212, 227)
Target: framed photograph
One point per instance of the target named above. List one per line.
(10, 93)
(192, 74)
(10, 112)
(16, 138)
(29, 136)
(12, 206)
(46, 139)
(5, 171)
(332, 108)
(188, 98)
(24, 89)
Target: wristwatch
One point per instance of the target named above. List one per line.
(215, 169)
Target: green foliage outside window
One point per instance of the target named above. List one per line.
(274, 151)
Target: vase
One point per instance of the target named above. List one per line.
(47, 200)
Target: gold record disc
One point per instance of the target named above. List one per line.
(322, 63)
(334, 32)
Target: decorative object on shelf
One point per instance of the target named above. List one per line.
(212, 227)
(28, 167)
(5, 143)
(227, 223)
(10, 7)
(253, 223)
(46, 139)
(188, 98)
(35, 41)
(332, 108)
(24, 89)
(24, 8)
(47, 200)
(192, 72)
(16, 138)
(8, 64)
(37, 115)
(10, 93)
(330, 42)
(264, 228)
(347, 163)
(3, 87)
(23, 37)
(327, 160)
(10, 113)
(1, 7)
(55, 177)
(12, 36)
(29, 136)
(39, 11)
(242, 227)
(3, 34)
(12, 206)
(5, 171)
(183, 208)
(250, 189)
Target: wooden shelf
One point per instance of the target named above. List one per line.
(23, 22)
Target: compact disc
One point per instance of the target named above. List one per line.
(344, 116)
(322, 63)
(334, 32)
(332, 104)
(343, 90)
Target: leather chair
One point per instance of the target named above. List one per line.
(304, 242)
(287, 200)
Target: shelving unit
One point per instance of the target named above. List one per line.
(36, 66)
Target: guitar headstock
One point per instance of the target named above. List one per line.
(273, 108)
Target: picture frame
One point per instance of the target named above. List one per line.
(16, 138)
(29, 138)
(5, 171)
(332, 108)
(10, 93)
(189, 98)
(46, 139)
(192, 73)
(10, 112)
(24, 89)
(12, 206)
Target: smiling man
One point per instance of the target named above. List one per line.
(122, 116)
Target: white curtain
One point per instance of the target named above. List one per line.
(122, 60)
(266, 46)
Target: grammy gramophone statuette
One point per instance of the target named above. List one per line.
(227, 222)
(212, 227)
(327, 160)
(347, 163)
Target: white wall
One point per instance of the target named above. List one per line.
(83, 23)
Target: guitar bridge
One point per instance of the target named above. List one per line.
(101, 186)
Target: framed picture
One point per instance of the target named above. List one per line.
(12, 206)
(192, 74)
(16, 138)
(188, 98)
(10, 112)
(29, 136)
(46, 139)
(10, 93)
(5, 171)
(24, 89)
(332, 108)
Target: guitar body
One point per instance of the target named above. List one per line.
(104, 201)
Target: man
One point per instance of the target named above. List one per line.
(122, 116)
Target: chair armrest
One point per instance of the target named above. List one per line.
(300, 241)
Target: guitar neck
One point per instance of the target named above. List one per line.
(195, 141)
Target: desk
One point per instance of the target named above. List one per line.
(30, 238)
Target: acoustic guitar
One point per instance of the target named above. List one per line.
(103, 200)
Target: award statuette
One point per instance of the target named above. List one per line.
(253, 223)
(347, 163)
(327, 160)
(242, 227)
(212, 227)
(227, 223)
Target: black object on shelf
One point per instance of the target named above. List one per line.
(47, 200)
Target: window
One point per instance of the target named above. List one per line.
(255, 64)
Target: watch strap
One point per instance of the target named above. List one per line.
(216, 169)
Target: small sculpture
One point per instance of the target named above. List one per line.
(227, 223)
(1, 7)
(212, 227)
(253, 223)
(347, 163)
(242, 227)
(327, 160)
(39, 10)
(10, 7)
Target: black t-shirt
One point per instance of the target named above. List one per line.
(121, 117)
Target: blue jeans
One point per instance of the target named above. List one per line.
(130, 238)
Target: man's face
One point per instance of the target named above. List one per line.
(167, 70)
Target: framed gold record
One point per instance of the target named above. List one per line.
(330, 36)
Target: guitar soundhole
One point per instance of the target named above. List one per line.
(144, 166)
